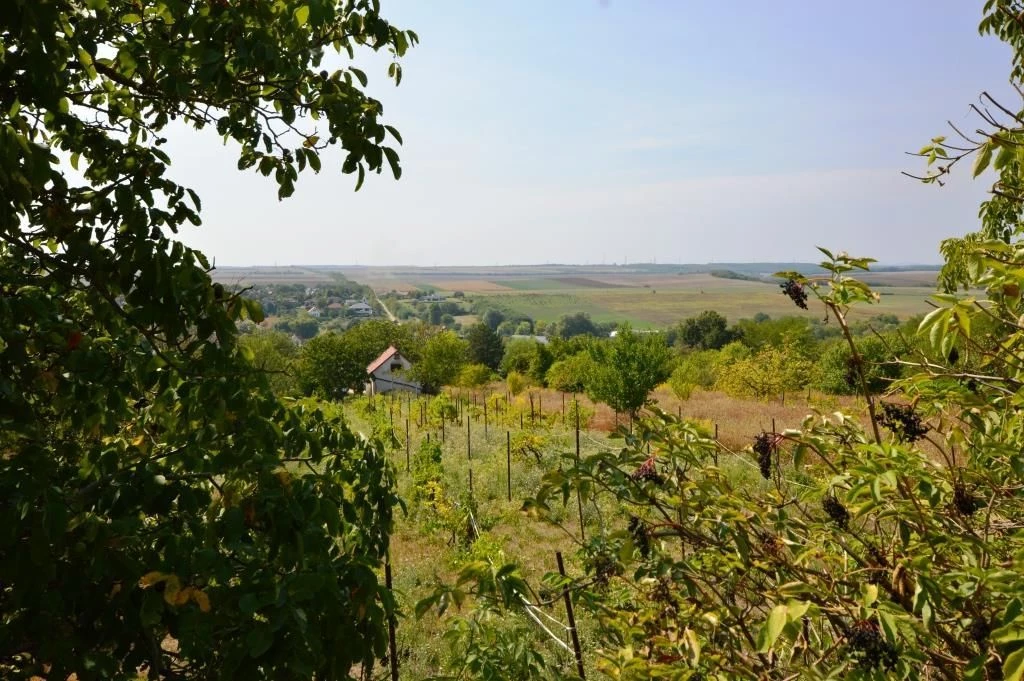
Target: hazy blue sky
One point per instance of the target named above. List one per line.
(677, 130)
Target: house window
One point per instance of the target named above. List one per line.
(396, 366)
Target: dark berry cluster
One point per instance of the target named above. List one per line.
(641, 539)
(903, 421)
(965, 503)
(795, 291)
(764, 445)
(604, 568)
(836, 511)
(770, 544)
(870, 648)
(647, 471)
(978, 630)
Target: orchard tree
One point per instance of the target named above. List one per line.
(485, 346)
(273, 353)
(162, 510)
(368, 339)
(626, 368)
(444, 355)
(707, 331)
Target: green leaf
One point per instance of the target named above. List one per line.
(1013, 666)
(259, 640)
(302, 16)
(772, 628)
(392, 157)
(982, 160)
(394, 133)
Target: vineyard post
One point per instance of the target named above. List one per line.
(579, 498)
(407, 446)
(531, 409)
(469, 442)
(717, 445)
(572, 619)
(392, 625)
(485, 418)
(520, 420)
(508, 462)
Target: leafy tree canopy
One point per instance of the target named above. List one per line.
(707, 331)
(485, 346)
(626, 368)
(444, 355)
(142, 459)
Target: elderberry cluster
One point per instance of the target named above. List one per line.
(836, 511)
(638, 531)
(764, 445)
(964, 502)
(903, 421)
(604, 568)
(795, 291)
(978, 630)
(870, 648)
(646, 471)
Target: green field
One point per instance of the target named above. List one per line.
(642, 297)
(646, 296)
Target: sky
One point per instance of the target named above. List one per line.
(610, 131)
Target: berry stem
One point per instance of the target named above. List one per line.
(858, 361)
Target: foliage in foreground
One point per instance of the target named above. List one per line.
(894, 552)
(160, 508)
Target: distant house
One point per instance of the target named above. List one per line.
(543, 340)
(315, 312)
(386, 374)
(433, 297)
(361, 309)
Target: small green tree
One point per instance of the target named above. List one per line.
(444, 355)
(570, 374)
(707, 331)
(485, 346)
(275, 354)
(474, 376)
(626, 368)
(768, 374)
(327, 366)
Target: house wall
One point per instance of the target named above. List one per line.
(384, 380)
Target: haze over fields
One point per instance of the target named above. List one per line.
(648, 296)
(749, 131)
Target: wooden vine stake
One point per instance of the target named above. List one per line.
(572, 620)
(392, 624)
(579, 498)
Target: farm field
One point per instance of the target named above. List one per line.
(430, 543)
(647, 299)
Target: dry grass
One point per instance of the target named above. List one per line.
(738, 420)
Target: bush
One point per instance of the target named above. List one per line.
(569, 375)
(768, 374)
(474, 376)
(516, 382)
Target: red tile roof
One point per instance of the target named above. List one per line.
(379, 362)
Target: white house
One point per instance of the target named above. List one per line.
(315, 312)
(361, 309)
(387, 374)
